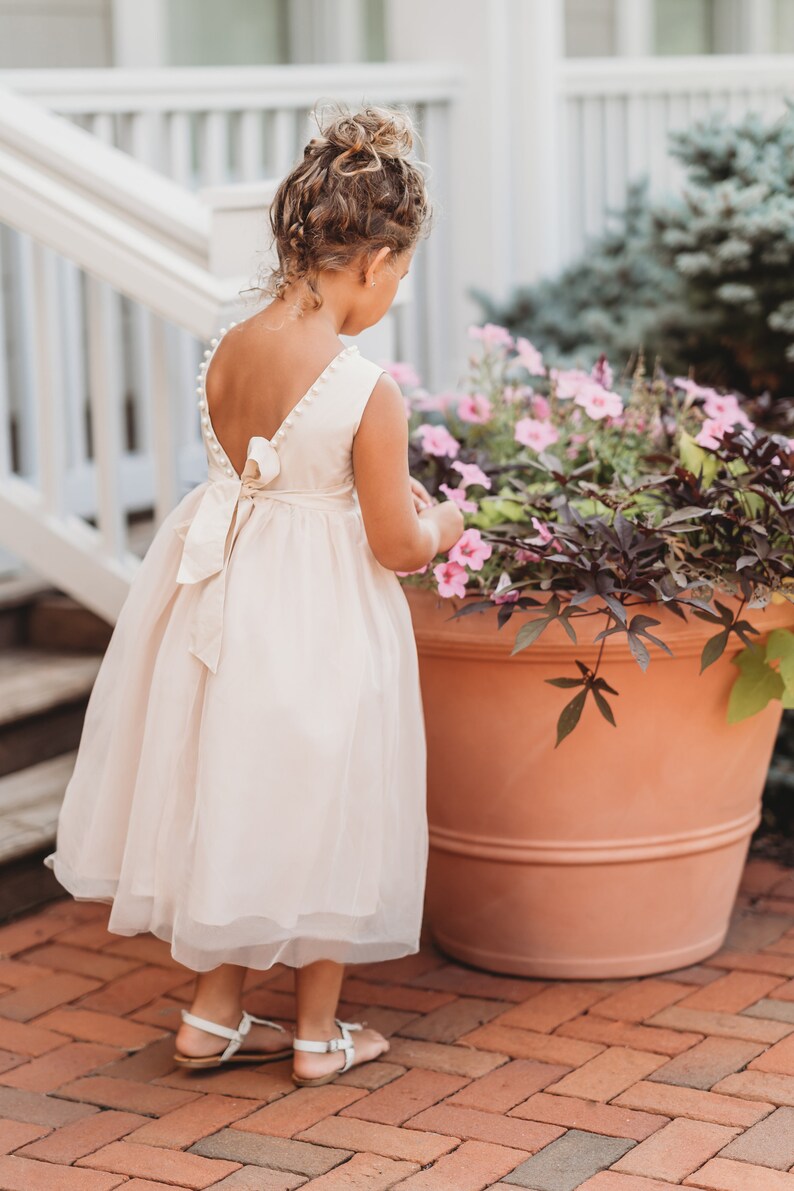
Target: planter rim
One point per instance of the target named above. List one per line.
(597, 851)
(477, 636)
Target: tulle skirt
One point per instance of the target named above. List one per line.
(274, 811)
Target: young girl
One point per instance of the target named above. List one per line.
(250, 781)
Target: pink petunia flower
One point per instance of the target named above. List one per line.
(451, 578)
(437, 440)
(543, 530)
(602, 373)
(540, 406)
(474, 407)
(492, 335)
(470, 550)
(528, 355)
(569, 382)
(458, 495)
(712, 431)
(434, 401)
(512, 394)
(472, 474)
(499, 595)
(692, 388)
(532, 432)
(599, 403)
(545, 534)
(405, 374)
(726, 408)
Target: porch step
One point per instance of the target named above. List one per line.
(17, 595)
(34, 681)
(43, 697)
(30, 800)
(56, 621)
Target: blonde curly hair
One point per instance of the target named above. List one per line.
(354, 191)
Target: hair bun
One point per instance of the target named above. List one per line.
(365, 138)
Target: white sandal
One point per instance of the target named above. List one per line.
(236, 1038)
(344, 1043)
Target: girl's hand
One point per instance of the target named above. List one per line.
(421, 497)
(448, 520)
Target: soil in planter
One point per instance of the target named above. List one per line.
(774, 838)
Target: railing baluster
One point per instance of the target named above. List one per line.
(249, 153)
(214, 165)
(281, 155)
(163, 407)
(5, 386)
(104, 371)
(72, 313)
(23, 318)
(180, 149)
(49, 402)
(438, 266)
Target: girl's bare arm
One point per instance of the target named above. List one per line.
(401, 538)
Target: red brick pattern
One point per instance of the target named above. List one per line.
(683, 1079)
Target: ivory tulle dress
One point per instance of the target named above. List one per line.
(250, 780)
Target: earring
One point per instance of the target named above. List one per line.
(373, 283)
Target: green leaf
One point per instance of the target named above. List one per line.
(696, 459)
(569, 716)
(756, 685)
(564, 621)
(565, 682)
(529, 632)
(780, 647)
(638, 650)
(604, 707)
(713, 649)
(509, 510)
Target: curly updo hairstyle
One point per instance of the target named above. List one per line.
(354, 191)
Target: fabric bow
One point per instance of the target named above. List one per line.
(208, 540)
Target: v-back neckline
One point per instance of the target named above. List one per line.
(280, 432)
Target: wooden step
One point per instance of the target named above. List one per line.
(43, 696)
(18, 593)
(30, 800)
(57, 622)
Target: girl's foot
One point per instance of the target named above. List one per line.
(195, 1043)
(368, 1043)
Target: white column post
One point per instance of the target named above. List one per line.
(634, 27)
(534, 120)
(758, 26)
(326, 30)
(503, 209)
(140, 33)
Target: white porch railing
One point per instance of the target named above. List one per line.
(78, 360)
(142, 255)
(99, 236)
(214, 126)
(615, 115)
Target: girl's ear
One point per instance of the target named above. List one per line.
(370, 264)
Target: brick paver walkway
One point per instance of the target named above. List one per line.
(634, 1085)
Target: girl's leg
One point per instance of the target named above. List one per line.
(317, 988)
(218, 997)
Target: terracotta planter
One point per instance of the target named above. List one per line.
(620, 852)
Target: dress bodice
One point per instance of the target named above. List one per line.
(307, 462)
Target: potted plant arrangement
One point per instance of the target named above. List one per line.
(604, 658)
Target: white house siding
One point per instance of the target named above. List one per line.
(55, 33)
(232, 33)
(784, 27)
(590, 28)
